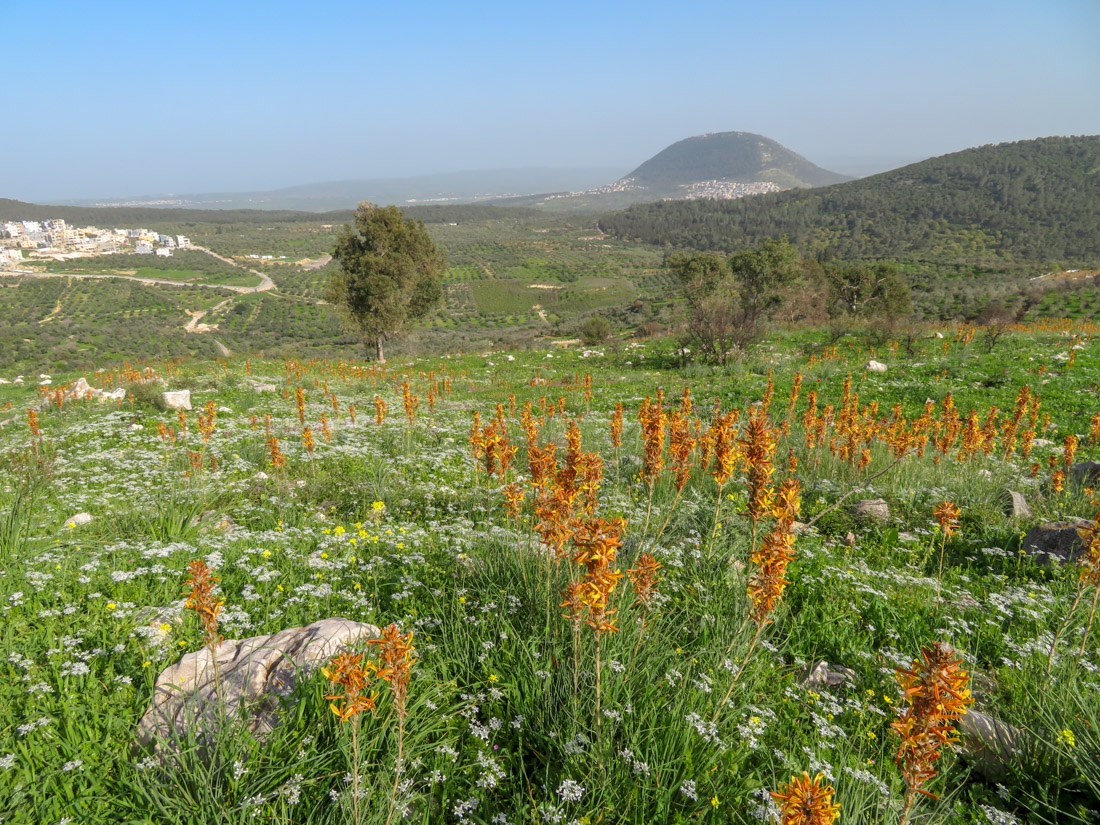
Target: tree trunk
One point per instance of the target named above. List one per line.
(378, 355)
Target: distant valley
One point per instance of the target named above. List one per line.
(720, 165)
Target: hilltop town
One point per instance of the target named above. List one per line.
(56, 240)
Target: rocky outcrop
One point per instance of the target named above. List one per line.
(1056, 540)
(247, 681)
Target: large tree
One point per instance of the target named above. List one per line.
(731, 298)
(390, 273)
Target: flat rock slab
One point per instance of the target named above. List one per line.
(256, 677)
(1056, 539)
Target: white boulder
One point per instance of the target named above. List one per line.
(177, 399)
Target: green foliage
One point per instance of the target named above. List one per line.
(595, 330)
(862, 291)
(731, 298)
(390, 273)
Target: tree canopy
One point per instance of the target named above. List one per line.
(390, 273)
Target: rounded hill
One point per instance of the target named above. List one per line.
(730, 156)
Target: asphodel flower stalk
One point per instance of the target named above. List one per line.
(936, 692)
(947, 514)
(349, 671)
(396, 659)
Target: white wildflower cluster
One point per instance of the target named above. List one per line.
(767, 810)
(707, 730)
(998, 817)
(492, 772)
(570, 791)
(637, 766)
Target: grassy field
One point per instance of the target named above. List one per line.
(690, 710)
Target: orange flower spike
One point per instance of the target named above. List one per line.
(396, 652)
(947, 514)
(805, 801)
(644, 578)
(936, 690)
(617, 426)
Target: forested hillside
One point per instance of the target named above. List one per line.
(1035, 200)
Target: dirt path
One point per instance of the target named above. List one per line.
(56, 309)
(199, 314)
(266, 284)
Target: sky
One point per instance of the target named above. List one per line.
(125, 98)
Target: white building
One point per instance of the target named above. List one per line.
(164, 252)
(182, 241)
(10, 257)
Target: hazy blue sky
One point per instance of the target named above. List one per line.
(114, 98)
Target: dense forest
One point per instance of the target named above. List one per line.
(1035, 200)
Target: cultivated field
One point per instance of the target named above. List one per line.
(609, 625)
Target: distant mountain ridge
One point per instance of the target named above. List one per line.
(327, 196)
(1032, 200)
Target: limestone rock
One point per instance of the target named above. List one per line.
(875, 366)
(872, 509)
(80, 390)
(990, 744)
(78, 520)
(1056, 539)
(177, 399)
(262, 388)
(1085, 473)
(256, 676)
(822, 674)
(937, 335)
(1015, 505)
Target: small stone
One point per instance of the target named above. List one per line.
(850, 539)
(937, 335)
(78, 520)
(1015, 505)
(872, 509)
(822, 674)
(177, 399)
(262, 388)
(1056, 540)
(875, 366)
(1042, 442)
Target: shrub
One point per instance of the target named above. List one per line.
(595, 330)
